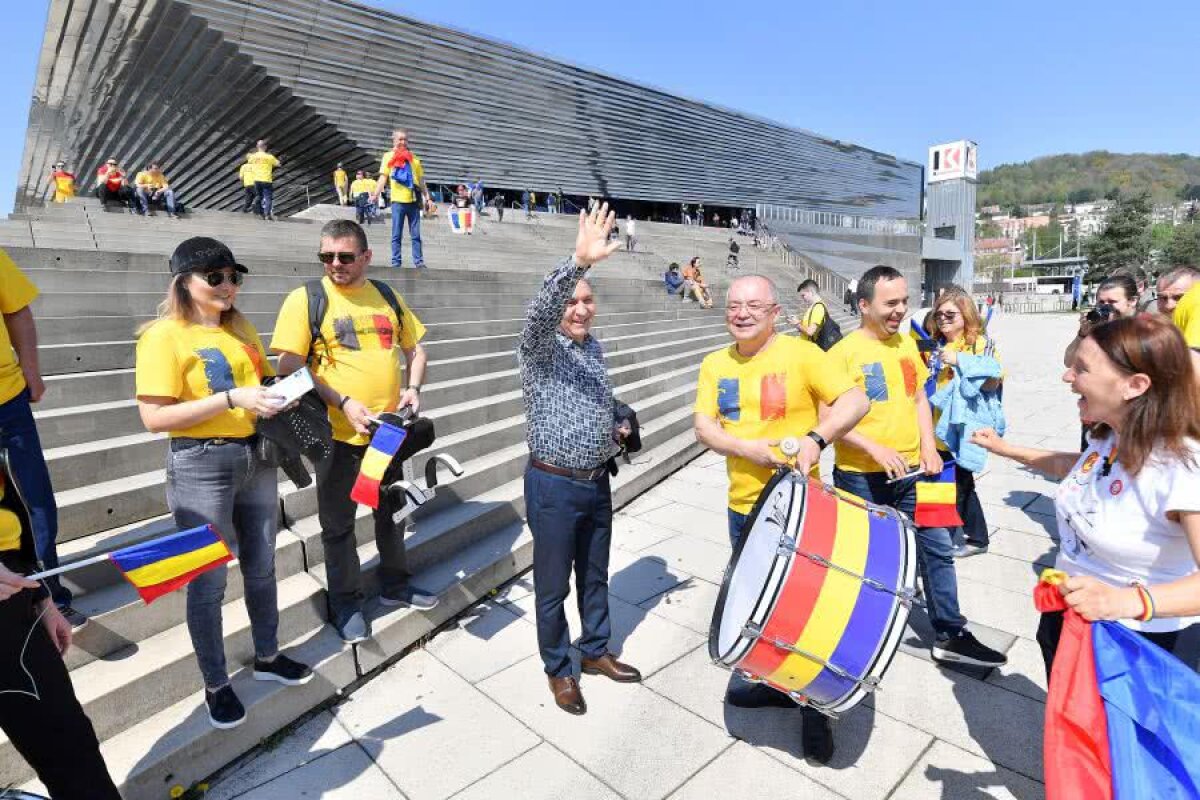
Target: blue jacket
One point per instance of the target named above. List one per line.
(966, 408)
(672, 280)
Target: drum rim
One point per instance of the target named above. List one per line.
(714, 630)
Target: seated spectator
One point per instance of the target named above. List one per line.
(361, 190)
(152, 186)
(64, 182)
(110, 183)
(703, 293)
(673, 280)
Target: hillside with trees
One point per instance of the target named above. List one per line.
(1090, 176)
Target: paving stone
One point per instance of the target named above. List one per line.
(1042, 505)
(644, 503)
(1002, 726)
(746, 772)
(345, 774)
(635, 534)
(1025, 672)
(1024, 521)
(1027, 547)
(543, 773)
(318, 737)
(1008, 611)
(488, 639)
(694, 521)
(701, 476)
(946, 771)
(873, 752)
(1005, 498)
(710, 459)
(918, 640)
(632, 739)
(694, 556)
(998, 570)
(515, 590)
(415, 719)
(689, 604)
(637, 577)
(702, 496)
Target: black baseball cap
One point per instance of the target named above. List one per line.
(201, 254)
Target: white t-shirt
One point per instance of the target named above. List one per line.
(1115, 528)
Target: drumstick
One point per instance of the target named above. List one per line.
(918, 471)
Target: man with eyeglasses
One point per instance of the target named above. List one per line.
(110, 183)
(356, 365)
(757, 391)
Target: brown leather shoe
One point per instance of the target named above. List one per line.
(567, 695)
(609, 667)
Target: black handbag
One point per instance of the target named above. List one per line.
(301, 431)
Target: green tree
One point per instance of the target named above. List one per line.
(1161, 234)
(1184, 247)
(1125, 241)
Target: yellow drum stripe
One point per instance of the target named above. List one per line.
(834, 605)
(175, 566)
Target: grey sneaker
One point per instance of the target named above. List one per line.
(77, 618)
(355, 629)
(967, 549)
(410, 596)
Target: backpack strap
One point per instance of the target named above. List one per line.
(318, 304)
(390, 297)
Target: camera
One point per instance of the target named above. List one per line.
(1103, 312)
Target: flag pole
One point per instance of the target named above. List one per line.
(68, 567)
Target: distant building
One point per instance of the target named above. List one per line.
(1015, 228)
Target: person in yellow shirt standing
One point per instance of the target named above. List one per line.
(763, 388)
(889, 452)
(815, 313)
(1186, 317)
(340, 183)
(64, 182)
(151, 185)
(356, 362)
(401, 172)
(360, 193)
(250, 197)
(262, 167)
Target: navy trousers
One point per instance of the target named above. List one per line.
(571, 522)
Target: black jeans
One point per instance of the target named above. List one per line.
(335, 510)
(52, 733)
(1050, 631)
(250, 199)
(975, 529)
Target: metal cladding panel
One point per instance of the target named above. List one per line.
(194, 82)
(952, 203)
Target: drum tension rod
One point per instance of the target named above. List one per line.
(906, 596)
(869, 684)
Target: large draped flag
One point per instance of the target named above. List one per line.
(163, 565)
(384, 444)
(1122, 714)
(937, 500)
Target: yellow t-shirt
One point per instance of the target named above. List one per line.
(400, 193)
(151, 180)
(64, 185)
(362, 185)
(262, 166)
(362, 356)
(892, 373)
(246, 173)
(10, 523)
(190, 362)
(16, 292)
(339, 177)
(771, 395)
(815, 315)
(1187, 316)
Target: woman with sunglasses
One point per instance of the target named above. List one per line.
(1128, 508)
(199, 370)
(957, 329)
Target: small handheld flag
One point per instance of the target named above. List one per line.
(163, 565)
(937, 501)
(379, 455)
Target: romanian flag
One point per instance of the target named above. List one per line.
(462, 220)
(937, 501)
(378, 458)
(1122, 714)
(163, 565)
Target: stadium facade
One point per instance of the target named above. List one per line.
(192, 84)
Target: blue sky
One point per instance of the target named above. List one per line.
(1022, 78)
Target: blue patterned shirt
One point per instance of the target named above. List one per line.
(569, 406)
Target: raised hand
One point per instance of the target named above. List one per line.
(592, 244)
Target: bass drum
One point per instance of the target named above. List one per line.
(817, 594)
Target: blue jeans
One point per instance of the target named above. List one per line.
(935, 546)
(571, 522)
(19, 436)
(736, 523)
(144, 197)
(226, 486)
(264, 193)
(412, 213)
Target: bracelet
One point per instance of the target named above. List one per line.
(342, 404)
(1147, 602)
(229, 399)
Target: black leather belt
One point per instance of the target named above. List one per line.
(578, 474)
(187, 443)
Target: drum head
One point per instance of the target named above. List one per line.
(756, 569)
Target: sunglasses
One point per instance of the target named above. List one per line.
(949, 316)
(217, 277)
(342, 258)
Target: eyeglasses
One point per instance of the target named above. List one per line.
(948, 316)
(342, 258)
(217, 277)
(754, 308)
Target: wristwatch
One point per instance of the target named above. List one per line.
(416, 387)
(818, 438)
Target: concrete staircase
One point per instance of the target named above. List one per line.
(133, 666)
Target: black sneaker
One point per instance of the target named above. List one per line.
(225, 711)
(410, 596)
(76, 618)
(282, 669)
(816, 738)
(966, 649)
(757, 695)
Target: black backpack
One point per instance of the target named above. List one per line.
(318, 305)
(829, 334)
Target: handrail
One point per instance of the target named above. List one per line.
(831, 285)
(831, 219)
